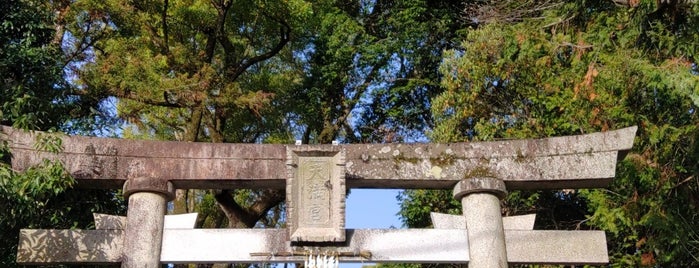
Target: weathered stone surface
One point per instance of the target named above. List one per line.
(480, 201)
(151, 185)
(107, 163)
(448, 221)
(560, 247)
(109, 222)
(473, 185)
(584, 161)
(486, 235)
(390, 246)
(144, 230)
(316, 176)
(69, 246)
(316, 194)
(113, 222)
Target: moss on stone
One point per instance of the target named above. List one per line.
(479, 172)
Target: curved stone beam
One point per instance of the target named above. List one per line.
(583, 161)
(108, 162)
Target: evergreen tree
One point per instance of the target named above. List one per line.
(577, 68)
(35, 97)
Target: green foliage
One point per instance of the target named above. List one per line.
(416, 206)
(48, 142)
(583, 67)
(30, 66)
(31, 188)
(373, 62)
(25, 197)
(371, 69)
(34, 97)
(42, 197)
(191, 70)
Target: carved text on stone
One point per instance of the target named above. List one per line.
(315, 172)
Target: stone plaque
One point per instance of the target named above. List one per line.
(315, 194)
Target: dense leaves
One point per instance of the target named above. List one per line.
(31, 66)
(43, 197)
(579, 68)
(259, 71)
(34, 97)
(372, 69)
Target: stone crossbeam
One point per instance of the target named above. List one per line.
(268, 246)
(69, 246)
(447, 221)
(112, 222)
(583, 161)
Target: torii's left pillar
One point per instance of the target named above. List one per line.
(143, 237)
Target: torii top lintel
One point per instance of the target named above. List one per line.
(583, 161)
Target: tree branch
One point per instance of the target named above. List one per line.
(237, 216)
(166, 45)
(229, 50)
(560, 21)
(194, 124)
(284, 37)
(266, 201)
(330, 129)
(62, 8)
(213, 122)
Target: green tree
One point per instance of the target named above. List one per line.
(31, 67)
(259, 71)
(582, 67)
(193, 71)
(34, 97)
(372, 69)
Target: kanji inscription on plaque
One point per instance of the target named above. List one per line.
(316, 188)
(316, 194)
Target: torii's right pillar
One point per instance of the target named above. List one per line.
(480, 200)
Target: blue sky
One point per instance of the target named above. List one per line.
(371, 209)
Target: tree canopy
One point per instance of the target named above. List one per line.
(258, 71)
(582, 67)
(31, 64)
(34, 97)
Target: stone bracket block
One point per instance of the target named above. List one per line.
(315, 193)
(153, 185)
(480, 185)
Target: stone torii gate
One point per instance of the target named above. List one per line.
(315, 178)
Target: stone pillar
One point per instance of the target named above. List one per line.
(143, 236)
(480, 200)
